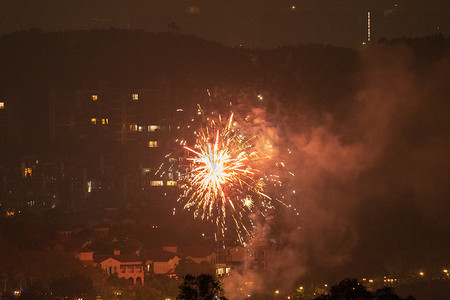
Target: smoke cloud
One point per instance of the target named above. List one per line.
(371, 187)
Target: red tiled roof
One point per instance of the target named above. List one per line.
(122, 258)
(196, 250)
(158, 254)
(102, 225)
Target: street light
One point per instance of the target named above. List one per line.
(275, 294)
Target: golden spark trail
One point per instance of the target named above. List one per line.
(223, 181)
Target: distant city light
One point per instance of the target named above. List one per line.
(156, 183)
(153, 144)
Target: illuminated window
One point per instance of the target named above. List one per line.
(93, 120)
(156, 183)
(94, 97)
(89, 186)
(153, 144)
(193, 10)
(2, 105)
(170, 175)
(133, 127)
(153, 127)
(135, 97)
(172, 159)
(220, 271)
(105, 121)
(141, 128)
(27, 172)
(171, 183)
(146, 170)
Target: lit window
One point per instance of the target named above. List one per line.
(172, 159)
(193, 10)
(133, 127)
(156, 183)
(2, 105)
(170, 175)
(146, 170)
(135, 97)
(93, 120)
(153, 144)
(171, 183)
(153, 127)
(105, 121)
(141, 128)
(27, 172)
(94, 97)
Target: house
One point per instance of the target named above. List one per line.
(125, 266)
(86, 257)
(128, 223)
(64, 234)
(161, 262)
(265, 255)
(198, 253)
(101, 230)
(236, 257)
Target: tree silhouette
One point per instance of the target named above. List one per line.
(351, 289)
(202, 287)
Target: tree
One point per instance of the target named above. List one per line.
(202, 287)
(187, 266)
(351, 289)
(35, 292)
(158, 288)
(188, 290)
(74, 286)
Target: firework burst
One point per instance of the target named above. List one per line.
(224, 182)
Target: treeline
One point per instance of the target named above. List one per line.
(33, 60)
(322, 77)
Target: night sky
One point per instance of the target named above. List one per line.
(252, 23)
